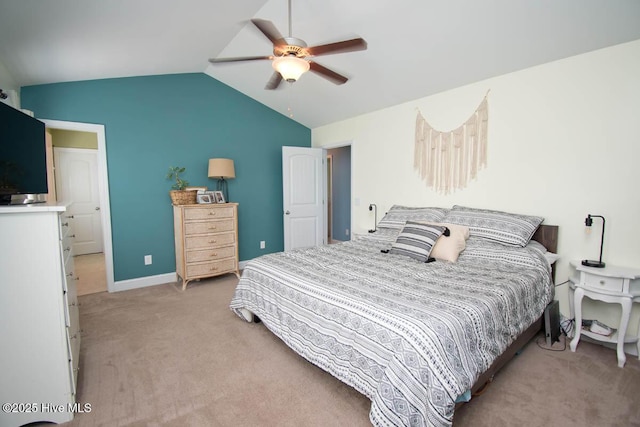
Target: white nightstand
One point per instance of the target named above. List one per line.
(611, 285)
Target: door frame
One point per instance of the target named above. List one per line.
(347, 143)
(329, 197)
(103, 187)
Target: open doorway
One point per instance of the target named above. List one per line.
(339, 194)
(81, 177)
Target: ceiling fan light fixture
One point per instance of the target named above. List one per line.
(290, 67)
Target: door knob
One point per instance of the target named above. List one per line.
(97, 208)
(287, 213)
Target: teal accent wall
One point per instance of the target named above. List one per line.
(153, 122)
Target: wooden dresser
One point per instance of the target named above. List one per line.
(39, 315)
(206, 239)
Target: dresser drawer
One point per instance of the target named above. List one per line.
(64, 225)
(211, 254)
(208, 227)
(213, 240)
(211, 268)
(67, 267)
(208, 213)
(603, 283)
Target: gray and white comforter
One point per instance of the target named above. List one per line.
(410, 336)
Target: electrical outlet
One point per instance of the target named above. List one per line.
(148, 260)
(346, 232)
(263, 244)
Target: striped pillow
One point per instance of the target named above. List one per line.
(503, 227)
(398, 215)
(416, 240)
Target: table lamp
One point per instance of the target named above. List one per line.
(221, 169)
(374, 208)
(588, 222)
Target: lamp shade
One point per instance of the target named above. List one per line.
(221, 168)
(290, 67)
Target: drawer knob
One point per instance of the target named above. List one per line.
(67, 249)
(65, 224)
(214, 254)
(213, 268)
(602, 282)
(212, 241)
(70, 274)
(213, 227)
(73, 236)
(212, 213)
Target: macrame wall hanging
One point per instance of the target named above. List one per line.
(447, 161)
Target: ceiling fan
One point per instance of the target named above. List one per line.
(290, 55)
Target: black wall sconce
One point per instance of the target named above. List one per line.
(588, 222)
(374, 208)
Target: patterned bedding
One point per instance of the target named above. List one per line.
(410, 336)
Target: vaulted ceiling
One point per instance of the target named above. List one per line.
(416, 48)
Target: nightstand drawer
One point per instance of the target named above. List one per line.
(208, 213)
(211, 254)
(603, 283)
(208, 227)
(211, 268)
(214, 240)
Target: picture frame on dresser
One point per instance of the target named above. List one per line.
(203, 198)
(219, 197)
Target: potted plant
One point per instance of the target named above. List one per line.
(178, 194)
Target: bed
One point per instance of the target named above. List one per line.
(415, 337)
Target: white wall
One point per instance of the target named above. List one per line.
(564, 142)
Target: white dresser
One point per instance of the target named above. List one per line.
(206, 238)
(38, 315)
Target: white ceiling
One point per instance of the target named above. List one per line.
(415, 47)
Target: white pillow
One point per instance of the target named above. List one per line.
(448, 248)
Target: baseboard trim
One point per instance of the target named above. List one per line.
(143, 282)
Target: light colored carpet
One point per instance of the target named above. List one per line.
(91, 273)
(160, 356)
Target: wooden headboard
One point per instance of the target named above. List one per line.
(548, 236)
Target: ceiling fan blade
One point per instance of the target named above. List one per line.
(274, 81)
(338, 47)
(238, 59)
(268, 29)
(327, 73)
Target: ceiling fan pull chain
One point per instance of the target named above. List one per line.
(289, 109)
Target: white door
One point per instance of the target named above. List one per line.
(76, 173)
(303, 182)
